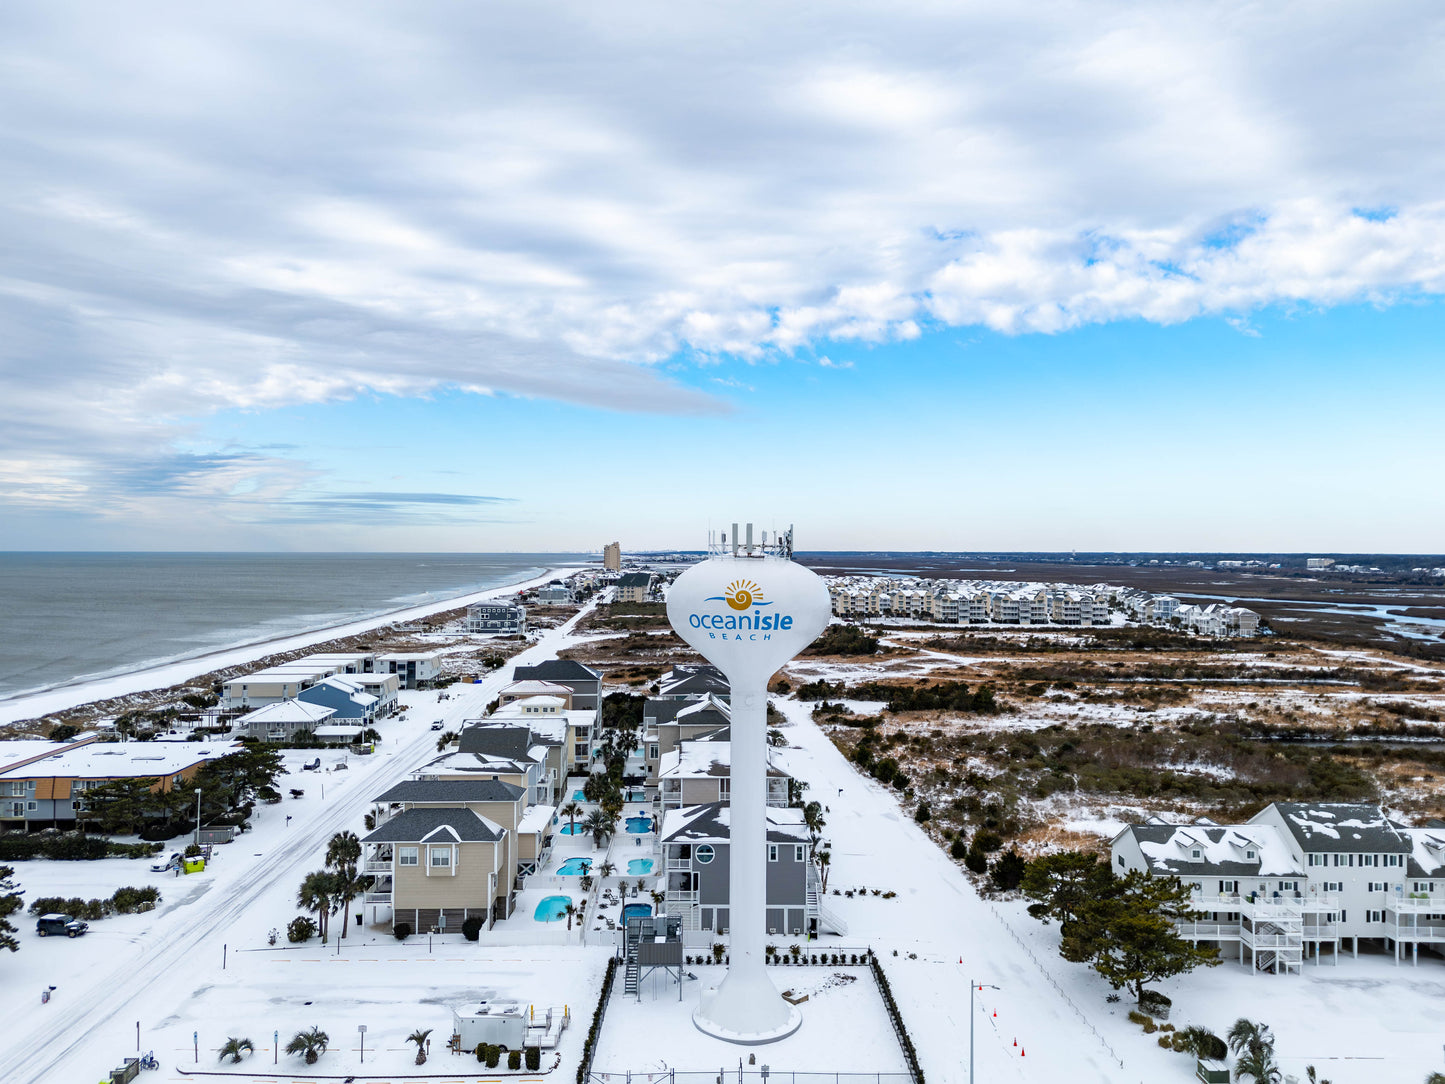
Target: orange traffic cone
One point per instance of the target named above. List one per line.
(1021, 1051)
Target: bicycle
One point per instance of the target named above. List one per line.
(149, 1060)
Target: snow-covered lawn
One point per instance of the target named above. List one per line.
(845, 1028)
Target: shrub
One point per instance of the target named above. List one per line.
(129, 900)
(481, 1051)
(1165, 1042)
(1136, 1017)
(401, 931)
(923, 814)
(1155, 1004)
(472, 927)
(534, 1058)
(514, 1059)
(957, 849)
(976, 861)
(300, 929)
(717, 951)
(193, 850)
(1149, 1026)
(585, 1066)
(1007, 871)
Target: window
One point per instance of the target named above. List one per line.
(441, 857)
(772, 852)
(705, 854)
(32, 806)
(1121, 860)
(1196, 853)
(799, 854)
(1374, 916)
(406, 856)
(1249, 855)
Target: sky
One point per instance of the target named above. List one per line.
(538, 276)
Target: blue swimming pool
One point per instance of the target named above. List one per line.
(636, 866)
(552, 908)
(638, 825)
(578, 796)
(575, 867)
(573, 830)
(636, 910)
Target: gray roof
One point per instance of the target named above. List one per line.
(498, 741)
(662, 711)
(563, 670)
(1342, 826)
(452, 790)
(1169, 848)
(634, 579)
(424, 825)
(711, 822)
(695, 685)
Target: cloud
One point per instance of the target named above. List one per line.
(828, 363)
(209, 207)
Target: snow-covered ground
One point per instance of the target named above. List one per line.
(201, 963)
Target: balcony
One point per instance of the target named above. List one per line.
(377, 865)
(1415, 907)
(1209, 931)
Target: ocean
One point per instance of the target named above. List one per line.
(78, 616)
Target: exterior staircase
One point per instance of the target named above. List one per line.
(828, 921)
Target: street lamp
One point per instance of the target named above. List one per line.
(362, 1028)
(972, 986)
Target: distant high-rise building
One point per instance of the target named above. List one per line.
(612, 557)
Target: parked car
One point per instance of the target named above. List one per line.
(60, 924)
(437, 725)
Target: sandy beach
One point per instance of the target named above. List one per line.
(72, 694)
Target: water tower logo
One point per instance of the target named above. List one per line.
(740, 595)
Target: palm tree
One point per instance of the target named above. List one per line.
(315, 894)
(571, 910)
(813, 818)
(1246, 1034)
(599, 826)
(310, 1044)
(1257, 1063)
(825, 863)
(443, 741)
(607, 869)
(342, 854)
(1435, 1078)
(571, 811)
(234, 1048)
(419, 1037)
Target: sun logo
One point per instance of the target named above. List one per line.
(743, 593)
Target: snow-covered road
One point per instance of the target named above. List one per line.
(936, 921)
(72, 1037)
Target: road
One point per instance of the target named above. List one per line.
(64, 1045)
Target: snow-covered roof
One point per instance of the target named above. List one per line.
(537, 819)
(535, 687)
(1195, 850)
(435, 825)
(287, 711)
(453, 791)
(337, 730)
(473, 764)
(121, 760)
(1427, 851)
(700, 758)
(1342, 826)
(712, 822)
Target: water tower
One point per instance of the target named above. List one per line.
(748, 609)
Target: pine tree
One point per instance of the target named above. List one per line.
(10, 902)
(1129, 937)
(1007, 870)
(1063, 884)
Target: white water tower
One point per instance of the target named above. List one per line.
(748, 609)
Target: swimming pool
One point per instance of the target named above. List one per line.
(575, 867)
(578, 796)
(552, 908)
(636, 866)
(636, 910)
(639, 825)
(573, 830)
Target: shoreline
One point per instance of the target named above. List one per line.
(77, 692)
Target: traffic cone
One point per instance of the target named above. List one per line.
(1021, 1051)
(1016, 1042)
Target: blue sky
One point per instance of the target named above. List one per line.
(523, 277)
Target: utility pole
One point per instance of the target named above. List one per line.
(198, 817)
(972, 986)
